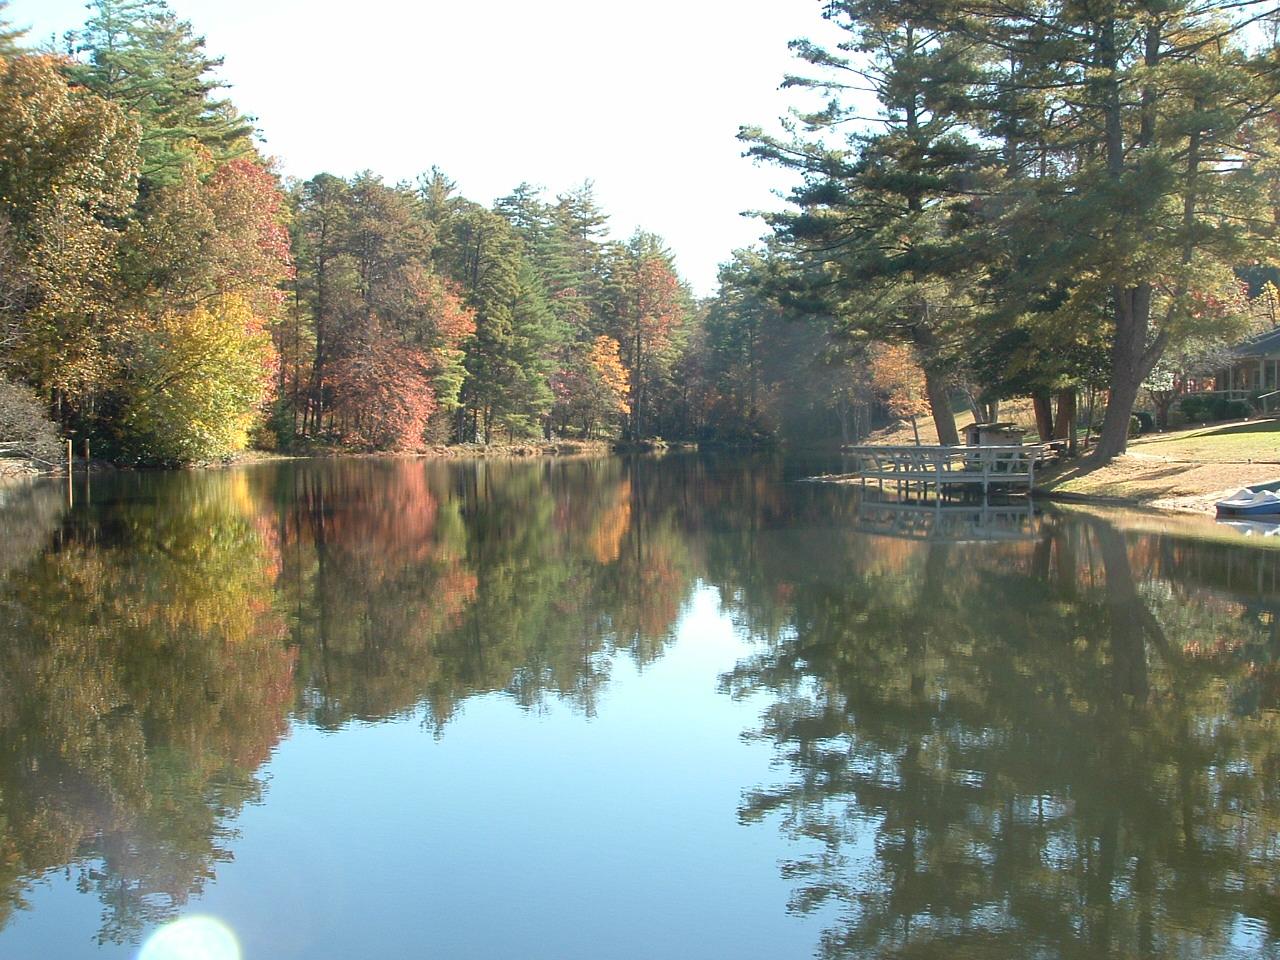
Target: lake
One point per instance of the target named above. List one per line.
(678, 707)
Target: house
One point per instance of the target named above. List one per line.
(1254, 369)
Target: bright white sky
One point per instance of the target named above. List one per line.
(644, 99)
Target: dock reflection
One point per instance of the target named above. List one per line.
(945, 521)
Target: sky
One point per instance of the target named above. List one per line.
(643, 99)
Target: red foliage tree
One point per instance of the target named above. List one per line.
(383, 394)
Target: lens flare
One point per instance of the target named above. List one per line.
(192, 938)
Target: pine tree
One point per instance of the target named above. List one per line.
(10, 37)
(873, 237)
(138, 54)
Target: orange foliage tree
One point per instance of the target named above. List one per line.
(592, 386)
(899, 378)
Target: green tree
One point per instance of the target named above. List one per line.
(1148, 182)
(139, 55)
(507, 359)
(872, 239)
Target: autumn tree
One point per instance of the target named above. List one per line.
(896, 374)
(192, 382)
(68, 162)
(202, 268)
(591, 387)
(383, 326)
(648, 311)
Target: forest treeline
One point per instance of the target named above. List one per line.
(170, 298)
(1042, 201)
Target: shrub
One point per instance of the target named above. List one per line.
(1236, 410)
(1194, 408)
(1202, 409)
(23, 421)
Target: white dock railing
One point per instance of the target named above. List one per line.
(939, 468)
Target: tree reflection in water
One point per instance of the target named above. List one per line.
(143, 680)
(1064, 749)
(154, 645)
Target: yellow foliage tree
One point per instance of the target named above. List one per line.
(195, 381)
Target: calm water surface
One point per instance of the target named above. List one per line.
(677, 708)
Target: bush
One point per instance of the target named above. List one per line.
(1203, 409)
(1195, 409)
(1236, 410)
(23, 421)
(1146, 423)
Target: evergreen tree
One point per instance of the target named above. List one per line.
(10, 36)
(1152, 183)
(872, 235)
(138, 54)
(648, 312)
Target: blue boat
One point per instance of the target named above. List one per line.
(1261, 500)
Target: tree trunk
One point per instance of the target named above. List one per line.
(1131, 361)
(1064, 427)
(1044, 415)
(1163, 400)
(935, 385)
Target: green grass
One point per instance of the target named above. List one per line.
(1256, 440)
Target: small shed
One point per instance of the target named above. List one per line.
(993, 435)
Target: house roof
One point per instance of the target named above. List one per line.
(1264, 344)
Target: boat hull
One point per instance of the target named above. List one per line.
(1249, 510)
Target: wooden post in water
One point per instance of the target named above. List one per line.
(70, 491)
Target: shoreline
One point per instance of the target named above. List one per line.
(1184, 503)
(562, 449)
(443, 451)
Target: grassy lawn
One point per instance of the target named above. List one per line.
(1012, 411)
(1186, 469)
(1241, 442)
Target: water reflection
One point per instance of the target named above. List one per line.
(1063, 749)
(143, 680)
(955, 521)
(420, 585)
(1058, 743)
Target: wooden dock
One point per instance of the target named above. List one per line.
(941, 470)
